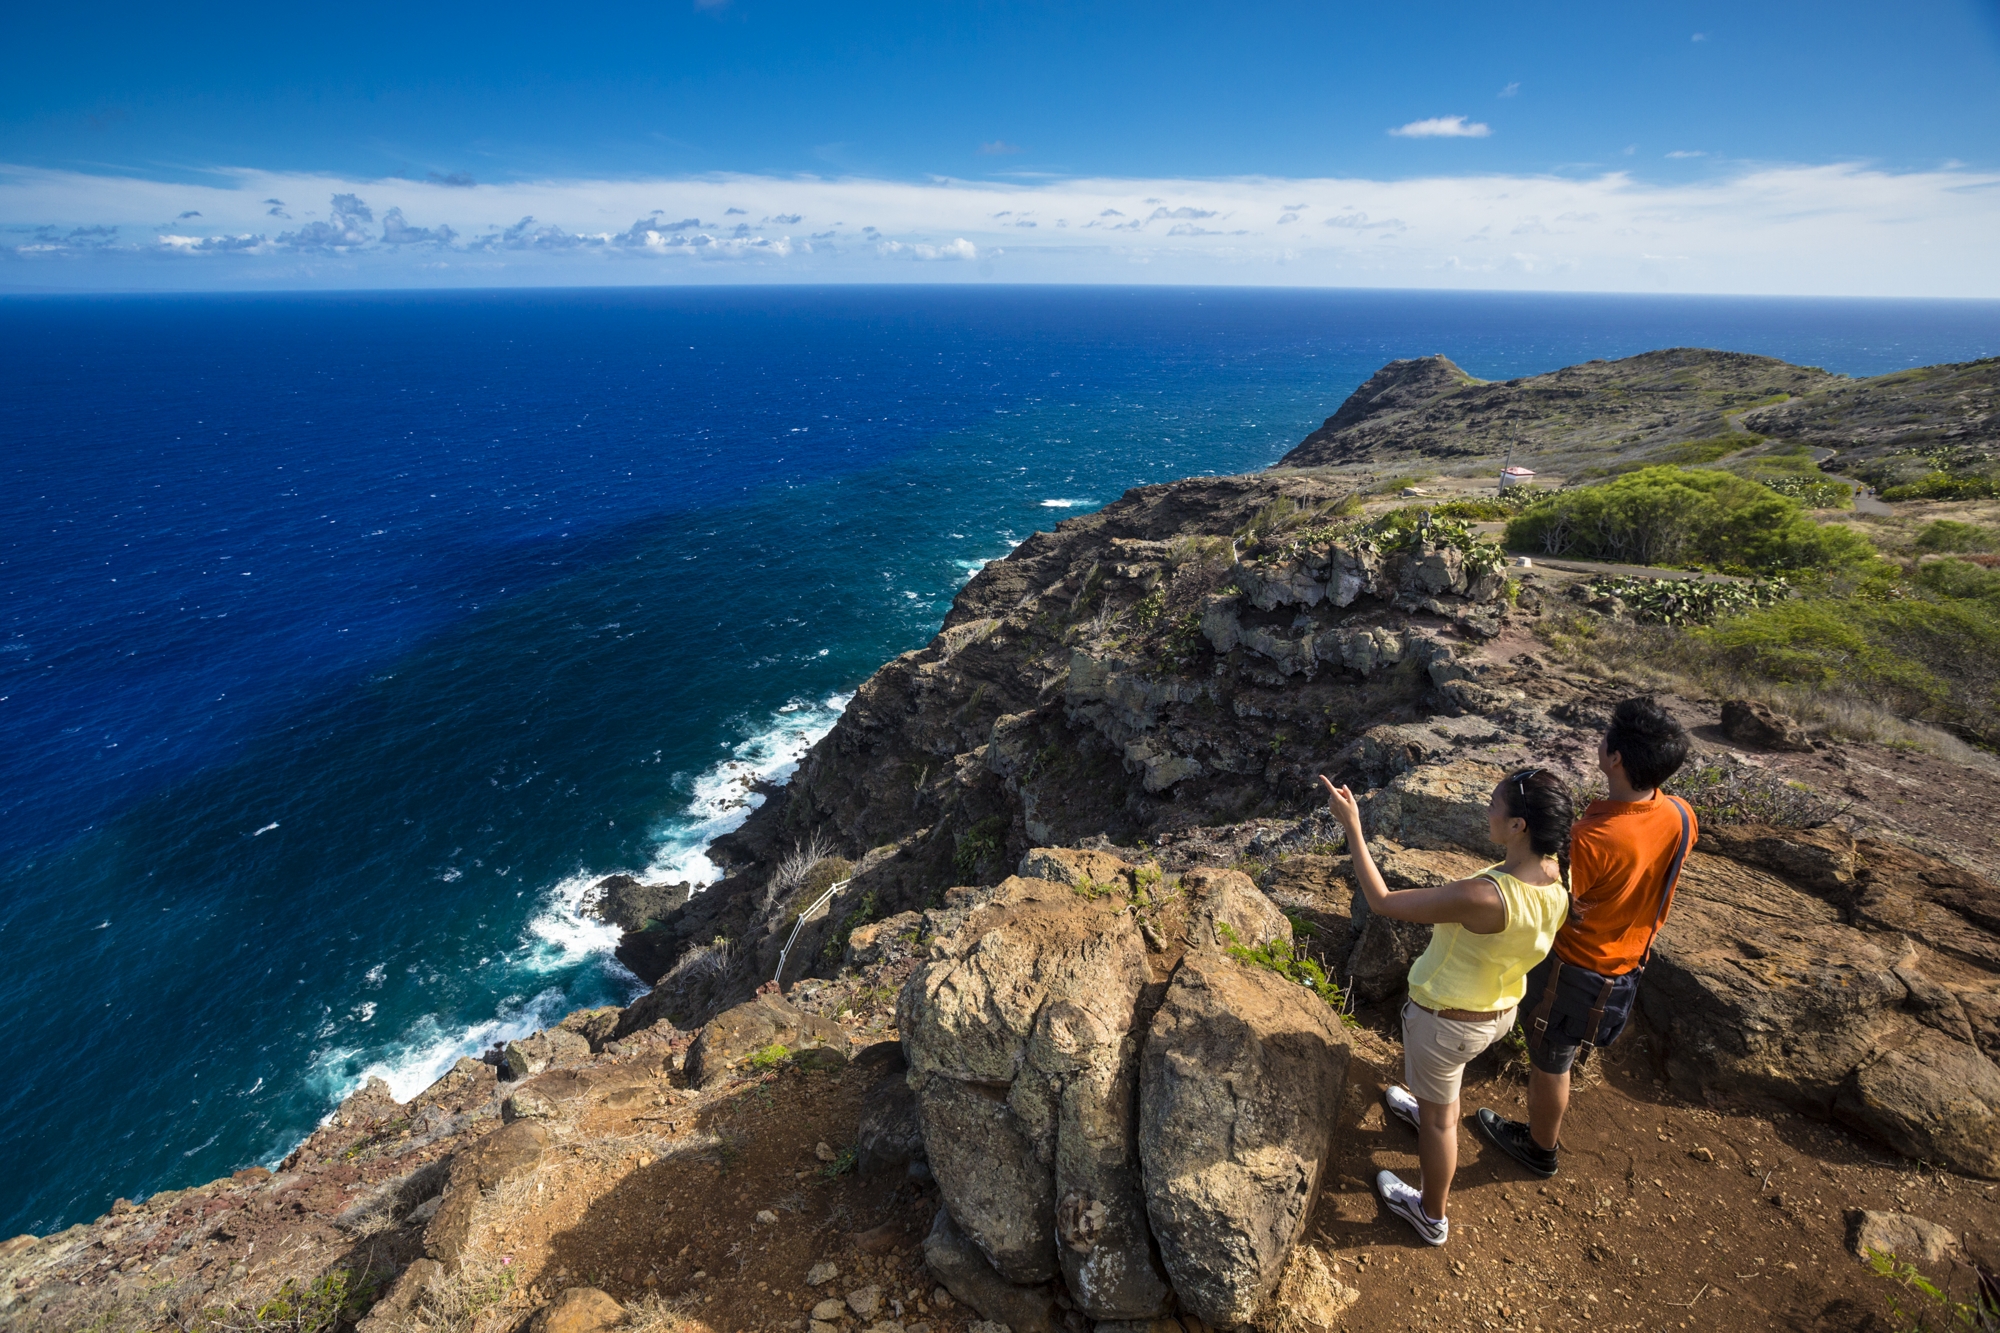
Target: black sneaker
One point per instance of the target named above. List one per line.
(1512, 1137)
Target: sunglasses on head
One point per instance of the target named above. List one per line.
(1521, 781)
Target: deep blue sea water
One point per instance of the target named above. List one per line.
(347, 639)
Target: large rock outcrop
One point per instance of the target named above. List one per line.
(1019, 1036)
(1767, 995)
(1059, 1155)
(1239, 1071)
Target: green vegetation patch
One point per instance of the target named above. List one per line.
(1944, 486)
(1404, 529)
(771, 1056)
(973, 846)
(1679, 516)
(328, 1302)
(1687, 601)
(1950, 535)
(1278, 956)
(859, 915)
(1926, 646)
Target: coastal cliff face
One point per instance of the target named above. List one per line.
(1035, 896)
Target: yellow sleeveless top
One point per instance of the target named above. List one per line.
(1487, 973)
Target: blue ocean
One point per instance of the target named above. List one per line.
(347, 639)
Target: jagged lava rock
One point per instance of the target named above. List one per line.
(1240, 1072)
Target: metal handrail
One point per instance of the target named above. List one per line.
(800, 925)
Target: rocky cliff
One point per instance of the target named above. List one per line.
(1038, 1053)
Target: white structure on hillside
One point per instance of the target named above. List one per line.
(1515, 476)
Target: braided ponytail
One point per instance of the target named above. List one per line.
(1540, 798)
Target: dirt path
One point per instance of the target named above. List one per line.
(1664, 1216)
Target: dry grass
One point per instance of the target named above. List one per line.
(1309, 1297)
(792, 869)
(656, 1314)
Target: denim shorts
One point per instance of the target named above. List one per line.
(1437, 1050)
(1569, 1020)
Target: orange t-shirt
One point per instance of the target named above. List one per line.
(1619, 854)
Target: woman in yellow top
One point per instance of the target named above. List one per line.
(1489, 932)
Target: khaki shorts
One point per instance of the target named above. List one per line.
(1437, 1050)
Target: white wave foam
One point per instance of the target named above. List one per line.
(1064, 504)
(564, 933)
(563, 936)
(429, 1049)
(724, 795)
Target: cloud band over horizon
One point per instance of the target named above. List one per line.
(1842, 229)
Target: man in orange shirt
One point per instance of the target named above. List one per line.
(1625, 858)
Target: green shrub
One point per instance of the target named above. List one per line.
(1930, 1306)
(1931, 653)
(976, 844)
(1950, 535)
(1672, 516)
(860, 915)
(1402, 529)
(771, 1056)
(1692, 452)
(1944, 486)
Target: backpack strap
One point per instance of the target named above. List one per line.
(1673, 877)
(1538, 1021)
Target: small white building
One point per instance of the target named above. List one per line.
(1516, 476)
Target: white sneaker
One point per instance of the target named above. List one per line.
(1407, 1203)
(1401, 1104)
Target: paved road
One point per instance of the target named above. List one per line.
(1632, 571)
(1866, 503)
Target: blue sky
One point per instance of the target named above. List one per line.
(1858, 145)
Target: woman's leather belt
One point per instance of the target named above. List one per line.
(1461, 1015)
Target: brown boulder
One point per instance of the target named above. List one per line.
(1908, 1237)
(1930, 1098)
(508, 1153)
(1759, 727)
(578, 1310)
(1437, 805)
(1226, 907)
(1240, 1075)
(1764, 996)
(760, 1026)
(1019, 1038)
(545, 1050)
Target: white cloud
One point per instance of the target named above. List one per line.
(1688, 152)
(1841, 229)
(1443, 127)
(1509, 90)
